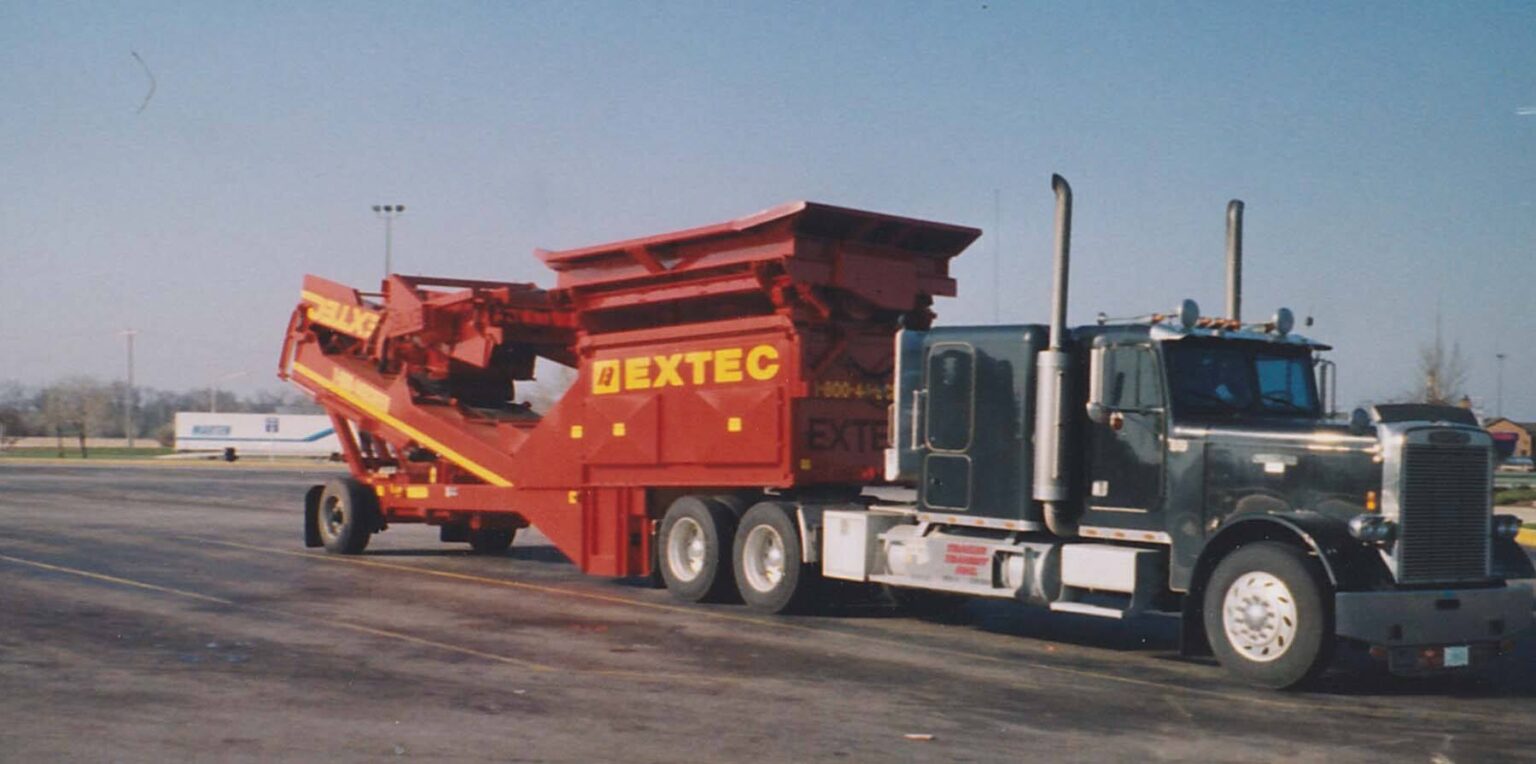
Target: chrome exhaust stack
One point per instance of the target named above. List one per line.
(1235, 260)
(1053, 366)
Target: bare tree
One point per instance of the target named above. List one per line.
(80, 405)
(1442, 374)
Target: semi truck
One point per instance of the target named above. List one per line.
(739, 388)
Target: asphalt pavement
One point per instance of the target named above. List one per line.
(154, 614)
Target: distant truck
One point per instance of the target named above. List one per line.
(234, 435)
(740, 385)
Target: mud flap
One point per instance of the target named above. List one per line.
(312, 516)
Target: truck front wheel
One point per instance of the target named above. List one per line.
(347, 515)
(1266, 616)
(769, 571)
(695, 549)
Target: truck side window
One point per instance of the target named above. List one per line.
(951, 396)
(1283, 384)
(1131, 380)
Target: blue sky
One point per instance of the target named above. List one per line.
(1379, 148)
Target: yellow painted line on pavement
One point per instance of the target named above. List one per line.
(116, 580)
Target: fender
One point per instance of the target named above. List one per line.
(1510, 560)
(1349, 564)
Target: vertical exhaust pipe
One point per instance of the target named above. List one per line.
(1235, 260)
(1053, 367)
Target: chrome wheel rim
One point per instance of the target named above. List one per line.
(762, 558)
(1259, 617)
(332, 516)
(685, 549)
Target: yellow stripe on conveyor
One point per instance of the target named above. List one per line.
(420, 437)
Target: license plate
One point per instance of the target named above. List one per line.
(1456, 656)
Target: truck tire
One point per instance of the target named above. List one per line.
(347, 517)
(694, 549)
(769, 571)
(1266, 615)
(491, 540)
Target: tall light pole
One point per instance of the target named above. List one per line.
(129, 334)
(1498, 406)
(389, 212)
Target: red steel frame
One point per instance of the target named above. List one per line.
(753, 354)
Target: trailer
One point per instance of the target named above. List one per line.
(739, 386)
(255, 434)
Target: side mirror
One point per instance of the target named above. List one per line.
(1098, 413)
(1359, 422)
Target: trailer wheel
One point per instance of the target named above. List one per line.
(347, 516)
(1266, 616)
(695, 549)
(491, 540)
(769, 571)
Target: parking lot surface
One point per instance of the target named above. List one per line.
(152, 613)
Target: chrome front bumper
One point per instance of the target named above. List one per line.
(1435, 616)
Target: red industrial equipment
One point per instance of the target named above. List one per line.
(751, 355)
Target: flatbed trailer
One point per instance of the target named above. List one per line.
(739, 386)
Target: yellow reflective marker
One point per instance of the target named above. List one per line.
(805, 464)
(572, 497)
(416, 492)
(618, 429)
(733, 424)
(576, 432)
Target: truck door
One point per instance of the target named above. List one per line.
(1125, 436)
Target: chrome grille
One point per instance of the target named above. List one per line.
(1444, 505)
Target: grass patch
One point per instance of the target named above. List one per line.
(92, 453)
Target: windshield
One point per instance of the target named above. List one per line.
(1240, 378)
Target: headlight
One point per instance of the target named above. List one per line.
(1506, 526)
(1372, 529)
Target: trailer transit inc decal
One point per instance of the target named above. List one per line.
(696, 367)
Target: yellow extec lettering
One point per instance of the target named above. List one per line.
(347, 319)
(697, 367)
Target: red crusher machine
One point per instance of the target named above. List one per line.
(745, 367)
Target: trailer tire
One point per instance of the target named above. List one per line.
(491, 540)
(1266, 615)
(694, 549)
(770, 573)
(347, 517)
